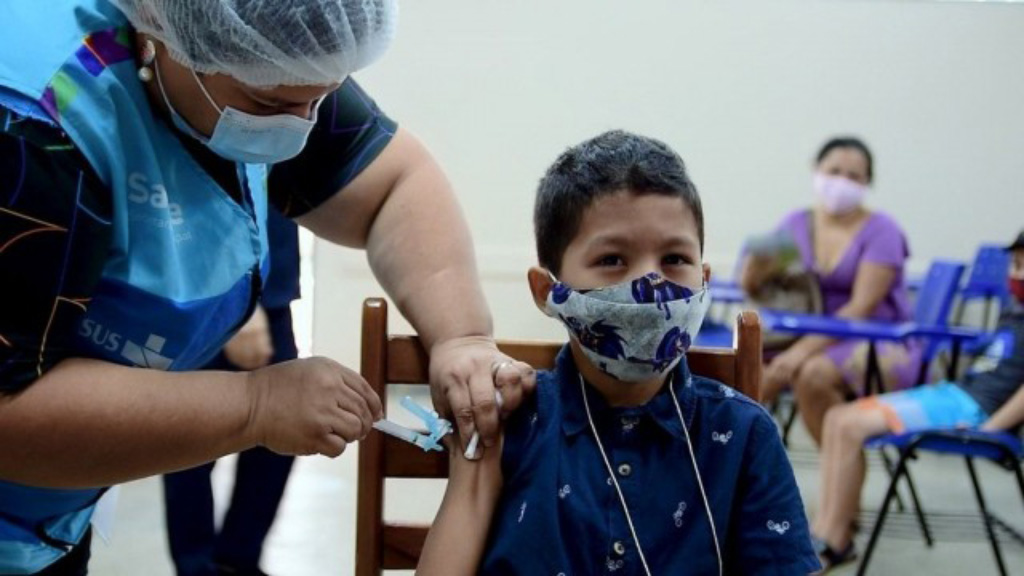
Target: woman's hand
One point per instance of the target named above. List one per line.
(755, 270)
(781, 371)
(310, 406)
(465, 373)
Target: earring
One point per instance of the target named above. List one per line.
(148, 56)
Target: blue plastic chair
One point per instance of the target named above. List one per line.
(714, 334)
(987, 281)
(726, 300)
(1004, 449)
(934, 302)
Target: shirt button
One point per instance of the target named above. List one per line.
(625, 470)
(619, 547)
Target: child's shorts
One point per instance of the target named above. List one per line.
(939, 405)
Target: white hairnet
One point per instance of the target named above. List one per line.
(266, 43)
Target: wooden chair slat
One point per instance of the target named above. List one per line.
(403, 544)
(407, 461)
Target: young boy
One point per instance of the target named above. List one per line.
(598, 472)
(992, 397)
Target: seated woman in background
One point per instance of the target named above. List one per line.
(858, 257)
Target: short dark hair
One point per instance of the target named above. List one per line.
(611, 162)
(849, 142)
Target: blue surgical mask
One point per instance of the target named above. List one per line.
(633, 331)
(242, 137)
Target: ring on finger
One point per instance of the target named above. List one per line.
(497, 368)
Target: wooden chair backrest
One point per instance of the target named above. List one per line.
(401, 359)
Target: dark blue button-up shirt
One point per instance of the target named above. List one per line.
(559, 513)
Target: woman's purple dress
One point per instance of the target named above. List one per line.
(879, 241)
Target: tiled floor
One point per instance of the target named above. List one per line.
(314, 534)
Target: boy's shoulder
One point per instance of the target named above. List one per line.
(1007, 339)
(718, 406)
(721, 400)
(538, 411)
(532, 427)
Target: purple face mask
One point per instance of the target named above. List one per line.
(838, 195)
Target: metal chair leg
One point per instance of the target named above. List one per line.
(988, 311)
(1020, 480)
(922, 520)
(890, 469)
(954, 360)
(873, 380)
(919, 511)
(890, 493)
(790, 420)
(985, 516)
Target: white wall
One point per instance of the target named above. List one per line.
(745, 90)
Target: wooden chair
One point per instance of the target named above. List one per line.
(401, 359)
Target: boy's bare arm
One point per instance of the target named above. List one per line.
(455, 544)
(1009, 415)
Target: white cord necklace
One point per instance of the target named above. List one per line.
(618, 490)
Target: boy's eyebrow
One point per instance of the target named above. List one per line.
(687, 241)
(611, 240)
(608, 239)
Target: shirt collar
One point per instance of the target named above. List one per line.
(660, 409)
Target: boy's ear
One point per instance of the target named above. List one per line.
(707, 273)
(540, 286)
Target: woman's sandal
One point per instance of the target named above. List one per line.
(832, 558)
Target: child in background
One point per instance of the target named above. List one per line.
(991, 397)
(623, 461)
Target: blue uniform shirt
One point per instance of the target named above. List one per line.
(559, 513)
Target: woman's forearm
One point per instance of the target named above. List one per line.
(88, 423)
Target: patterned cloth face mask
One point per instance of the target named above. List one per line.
(633, 331)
